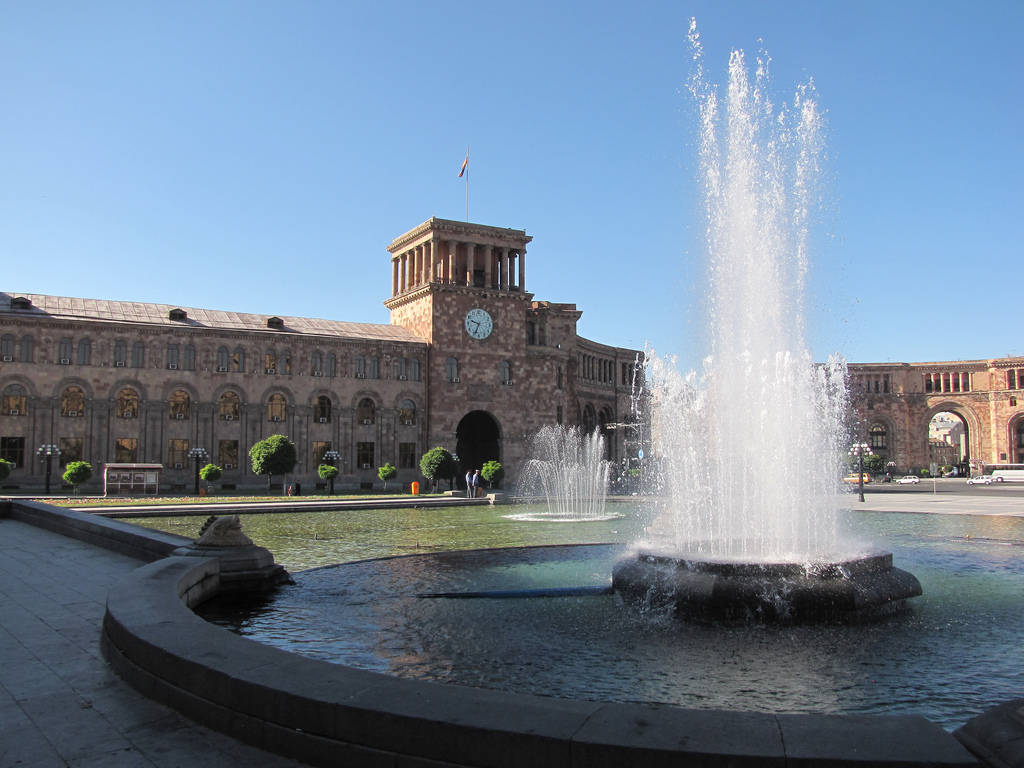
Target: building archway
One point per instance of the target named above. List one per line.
(949, 436)
(478, 440)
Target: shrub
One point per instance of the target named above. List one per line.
(274, 455)
(5, 468)
(437, 463)
(492, 472)
(387, 472)
(77, 472)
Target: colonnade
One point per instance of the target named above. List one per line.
(456, 262)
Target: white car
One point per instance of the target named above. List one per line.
(908, 480)
(980, 480)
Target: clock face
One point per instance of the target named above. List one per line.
(479, 323)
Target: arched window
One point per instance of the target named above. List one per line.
(15, 402)
(138, 354)
(238, 360)
(316, 364)
(127, 404)
(878, 437)
(120, 353)
(366, 411)
(332, 365)
(27, 351)
(178, 405)
(7, 348)
(64, 351)
(189, 360)
(589, 418)
(407, 413)
(228, 406)
(172, 356)
(72, 402)
(84, 352)
(270, 361)
(414, 369)
(505, 371)
(277, 407)
(322, 409)
(222, 359)
(451, 369)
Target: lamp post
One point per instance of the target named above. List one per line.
(858, 450)
(197, 455)
(332, 456)
(48, 451)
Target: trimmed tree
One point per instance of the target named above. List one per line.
(77, 472)
(492, 472)
(387, 472)
(274, 455)
(210, 474)
(437, 463)
(328, 472)
(5, 468)
(874, 464)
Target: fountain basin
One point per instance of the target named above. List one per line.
(855, 588)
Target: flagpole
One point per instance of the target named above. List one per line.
(467, 185)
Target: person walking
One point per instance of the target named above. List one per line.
(470, 490)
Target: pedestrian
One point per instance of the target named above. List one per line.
(470, 490)
(476, 483)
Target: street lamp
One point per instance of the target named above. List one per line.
(858, 450)
(332, 456)
(197, 455)
(48, 451)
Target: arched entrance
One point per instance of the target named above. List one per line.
(477, 441)
(949, 443)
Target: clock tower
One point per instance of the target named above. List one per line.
(489, 384)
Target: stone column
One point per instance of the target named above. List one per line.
(504, 279)
(453, 248)
(394, 275)
(404, 270)
(488, 263)
(522, 269)
(470, 263)
(435, 257)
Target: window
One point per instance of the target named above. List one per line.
(322, 409)
(177, 454)
(71, 449)
(72, 402)
(414, 370)
(27, 349)
(84, 352)
(7, 348)
(1015, 379)
(277, 407)
(189, 360)
(407, 455)
(877, 436)
(238, 359)
(364, 455)
(227, 454)
(222, 359)
(228, 406)
(270, 362)
(316, 364)
(366, 411)
(120, 353)
(138, 354)
(64, 351)
(332, 365)
(589, 418)
(172, 357)
(558, 414)
(401, 369)
(451, 369)
(359, 364)
(320, 447)
(505, 371)
(284, 364)
(126, 450)
(127, 405)
(531, 332)
(12, 449)
(373, 368)
(407, 413)
(15, 401)
(179, 405)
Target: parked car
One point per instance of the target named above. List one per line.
(908, 480)
(853, 477)
(980, 480)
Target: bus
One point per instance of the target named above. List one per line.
(1004, 473)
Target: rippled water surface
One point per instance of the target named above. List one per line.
(955, 653)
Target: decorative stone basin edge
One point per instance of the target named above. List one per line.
(327, 714)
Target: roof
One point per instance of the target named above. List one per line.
(103, 310)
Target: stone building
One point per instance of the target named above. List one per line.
(469, 362)
(894, 404)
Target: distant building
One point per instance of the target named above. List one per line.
(470, 362)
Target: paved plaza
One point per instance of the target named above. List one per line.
(61, 705)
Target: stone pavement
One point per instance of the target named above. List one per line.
(60, 704)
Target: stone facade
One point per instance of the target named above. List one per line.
(114, 381)
(895, 402)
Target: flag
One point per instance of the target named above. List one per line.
(465, 165)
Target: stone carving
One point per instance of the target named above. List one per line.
(223, 532)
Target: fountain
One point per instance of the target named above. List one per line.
(569, 473)
(751, 450)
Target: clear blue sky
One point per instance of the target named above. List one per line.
(259, 156)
